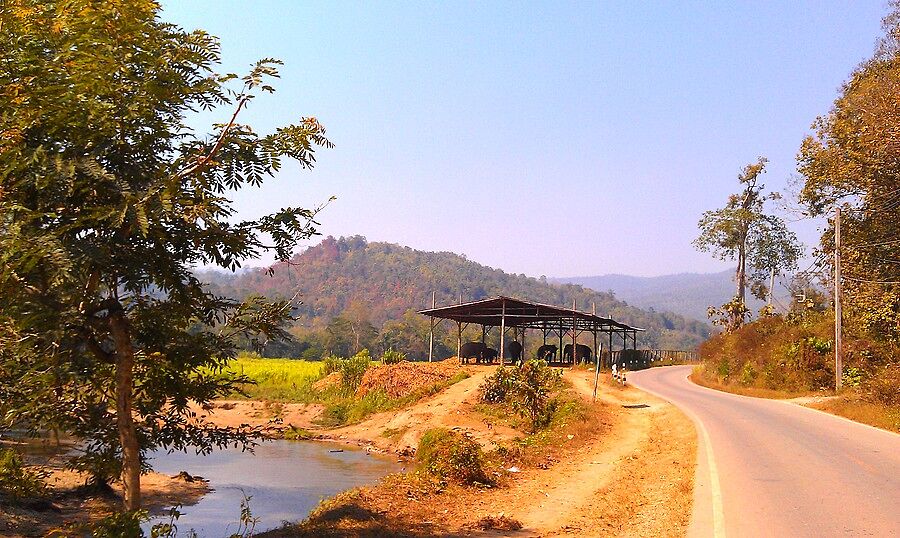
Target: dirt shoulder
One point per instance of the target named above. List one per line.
(625, 468)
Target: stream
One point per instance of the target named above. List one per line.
(285, 480)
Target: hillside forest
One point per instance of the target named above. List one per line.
(354, 294)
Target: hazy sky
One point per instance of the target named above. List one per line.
(552, 138)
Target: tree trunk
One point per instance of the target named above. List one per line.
(131, 453)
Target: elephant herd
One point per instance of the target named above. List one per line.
(482, 353)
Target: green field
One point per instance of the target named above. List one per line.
(287, 380)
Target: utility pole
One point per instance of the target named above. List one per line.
(838, 354)
(771, 284)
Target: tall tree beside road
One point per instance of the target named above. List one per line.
(107, 202)
(759, 242)
(853, 160)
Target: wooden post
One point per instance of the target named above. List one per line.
(597, 368)
(574, 335)
(522, 354)
(609, 350)
(838, 352)
(459, 340)
(431, 335)
(559, 353)
(502, 328)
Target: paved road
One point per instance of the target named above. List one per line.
(771, 468)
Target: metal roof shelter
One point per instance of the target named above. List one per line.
(507, 312)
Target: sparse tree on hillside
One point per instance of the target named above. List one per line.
(743, 232)
(107, 202)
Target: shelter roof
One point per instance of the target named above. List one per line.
(519, 313)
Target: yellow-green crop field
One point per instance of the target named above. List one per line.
(278, 379)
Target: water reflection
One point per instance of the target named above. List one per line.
(286, 480)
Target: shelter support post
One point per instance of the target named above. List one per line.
(502, 329)
(459, 340)
(559, 356)
(609, 350)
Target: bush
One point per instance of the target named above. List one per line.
(884, 387)
(528, 388)
(450, 455)
(351, 370)
(392, 357)
(16, 482)
(497, 387)
(331, 364)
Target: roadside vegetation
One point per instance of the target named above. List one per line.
(793, 355)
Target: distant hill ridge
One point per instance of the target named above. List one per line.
(388, 280)
(687, 294)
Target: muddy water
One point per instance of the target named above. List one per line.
(286, 480)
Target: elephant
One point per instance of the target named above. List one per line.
(583, 353)
(514, 351)
(546, 352)
(478, 351)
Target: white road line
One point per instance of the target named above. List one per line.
(715, 488)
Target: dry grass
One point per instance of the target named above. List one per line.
(848, 405)
(852, 407)
(756, 392)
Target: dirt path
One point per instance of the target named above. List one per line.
(400, 431)
(636, 480)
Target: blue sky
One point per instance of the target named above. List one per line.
(552, 138)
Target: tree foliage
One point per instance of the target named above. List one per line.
(853, 160)
(742, 231)
(108, 200)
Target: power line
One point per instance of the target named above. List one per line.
(871, 281)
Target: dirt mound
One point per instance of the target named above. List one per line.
(331, 380)
(406, 378)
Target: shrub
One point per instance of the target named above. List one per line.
(497, 387)
(528, 388)
(884, 387)
(331, 364)
(353, 369)
(392, 357)
(748, 374)
(535, 383)
(852, 376)
(450, 455)
(17, 483)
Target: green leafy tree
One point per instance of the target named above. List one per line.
(741, 231)
(107, 201)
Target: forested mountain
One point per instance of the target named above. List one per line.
(357, 293)
(688, 294)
